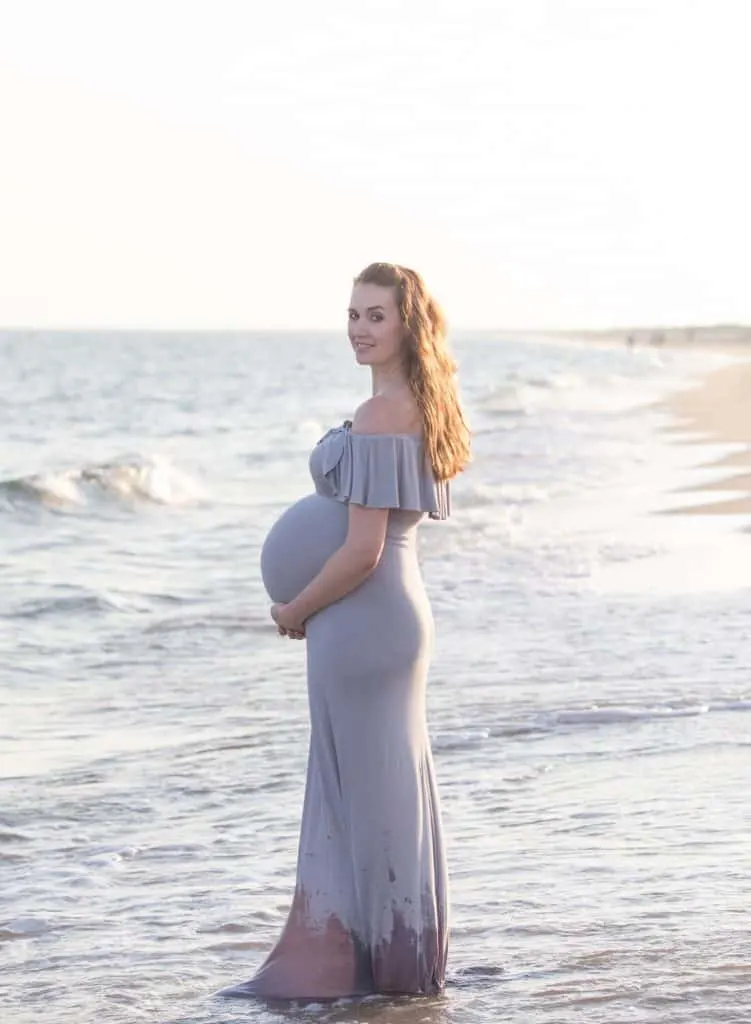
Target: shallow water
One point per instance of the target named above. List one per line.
(589, 701)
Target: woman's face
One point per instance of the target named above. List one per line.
(375, 331)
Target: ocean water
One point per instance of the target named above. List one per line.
(589, 703)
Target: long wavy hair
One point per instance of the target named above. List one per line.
(430, 368)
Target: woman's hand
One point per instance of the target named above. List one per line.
(286, 622)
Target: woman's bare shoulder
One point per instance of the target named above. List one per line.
(383, 415)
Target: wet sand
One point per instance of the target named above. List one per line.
(719, 411)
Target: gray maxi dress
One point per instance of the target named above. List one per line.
(369, 912)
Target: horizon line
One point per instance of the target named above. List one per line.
(146, 329)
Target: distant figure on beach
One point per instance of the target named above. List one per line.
(369, 911)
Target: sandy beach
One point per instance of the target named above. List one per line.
(719, 411)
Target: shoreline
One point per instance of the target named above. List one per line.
(717, 411)
(734, 338)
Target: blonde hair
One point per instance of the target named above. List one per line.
(430, 368)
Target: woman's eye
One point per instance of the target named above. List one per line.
(377, 317)
(352, 315)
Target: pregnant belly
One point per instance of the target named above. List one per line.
(299, 543)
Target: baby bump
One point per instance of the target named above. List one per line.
(299, 544)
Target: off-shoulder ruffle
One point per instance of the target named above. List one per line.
(382, 471)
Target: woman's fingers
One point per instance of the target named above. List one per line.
(292, 634)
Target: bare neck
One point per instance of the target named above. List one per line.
(389, 380)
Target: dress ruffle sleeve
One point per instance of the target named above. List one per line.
(383, 471)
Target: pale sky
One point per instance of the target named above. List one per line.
(232, 164)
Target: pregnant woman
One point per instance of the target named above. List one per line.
(369, 913)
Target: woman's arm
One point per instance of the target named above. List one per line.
(348, 567)
(361, 552)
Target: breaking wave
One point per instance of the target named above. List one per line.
(133, 479)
